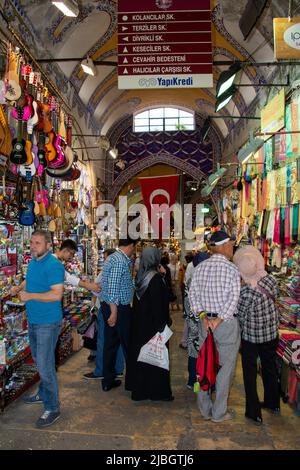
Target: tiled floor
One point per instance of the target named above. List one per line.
(92, 419)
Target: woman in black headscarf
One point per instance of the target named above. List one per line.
(150, 315)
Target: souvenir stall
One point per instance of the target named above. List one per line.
(43, 186)
(262, 208)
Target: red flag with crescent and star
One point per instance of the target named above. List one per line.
(159, 195)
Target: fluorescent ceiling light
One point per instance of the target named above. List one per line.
(113, 152)
(225, 98)
(88, 66)
(227, 79)
(68, 7)
(250, 148)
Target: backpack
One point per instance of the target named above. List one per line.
(207, 365)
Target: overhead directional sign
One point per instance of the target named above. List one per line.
(164, 44)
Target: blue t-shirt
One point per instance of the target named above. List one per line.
(41, 275)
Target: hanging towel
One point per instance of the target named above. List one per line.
(271, 225)
(287, 239)
(276, 237)
(295, 222)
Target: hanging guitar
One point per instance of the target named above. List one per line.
(18, 154)
(26, 214)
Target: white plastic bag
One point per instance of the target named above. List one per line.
(155, 351)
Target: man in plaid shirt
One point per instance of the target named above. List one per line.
(259, 326)
(116, 297)
(214, 292)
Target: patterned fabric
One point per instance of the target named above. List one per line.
(117, 284)
(288, 128)
(257, 313)
(215, 287)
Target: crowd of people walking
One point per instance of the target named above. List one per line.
(230, 295)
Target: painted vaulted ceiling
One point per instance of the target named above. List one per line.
(98, 104)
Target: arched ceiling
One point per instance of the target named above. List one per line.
(99, 103)
(93, 33)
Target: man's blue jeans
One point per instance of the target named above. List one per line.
(99, 356)
(43, 339)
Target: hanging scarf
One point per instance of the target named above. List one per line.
(295, 127)
(282, 213)
(295, 222)
(269, 154)
(271, 225)
(288, 183)
(287, 239)
(282, 152)
(276, 237)
(149, 263)
(288, 127)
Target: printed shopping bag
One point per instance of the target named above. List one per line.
(155, 351)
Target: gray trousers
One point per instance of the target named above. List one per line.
(227, 339)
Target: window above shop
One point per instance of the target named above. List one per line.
(163, 119)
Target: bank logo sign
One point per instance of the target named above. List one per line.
(164, 44)
(286, 38)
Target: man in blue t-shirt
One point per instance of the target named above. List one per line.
(42, 291)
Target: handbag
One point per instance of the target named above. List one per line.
(90, 335)
(155, 351)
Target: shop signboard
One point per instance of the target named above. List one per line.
(164, 44)
(273, 114)
(286, 38)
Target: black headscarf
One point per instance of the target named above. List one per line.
(150, 259)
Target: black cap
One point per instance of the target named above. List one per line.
(219, 238)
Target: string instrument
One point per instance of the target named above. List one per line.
(32, 122)
(5, 135)
(26, 214)
(13, 89)
(18, 154)
(59, 143)
(47, 124)
(41, 155)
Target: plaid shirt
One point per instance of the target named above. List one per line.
(257, 313)
(215, 287)
(116, 283)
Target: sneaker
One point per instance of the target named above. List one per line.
(47, 418)
(92, 376)
(120, 376)
(226, 417)
(190, 387)
(32, 399)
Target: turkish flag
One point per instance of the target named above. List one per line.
(159, 195)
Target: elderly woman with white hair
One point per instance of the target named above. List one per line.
(259, 328)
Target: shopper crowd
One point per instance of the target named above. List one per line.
(230, 295)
